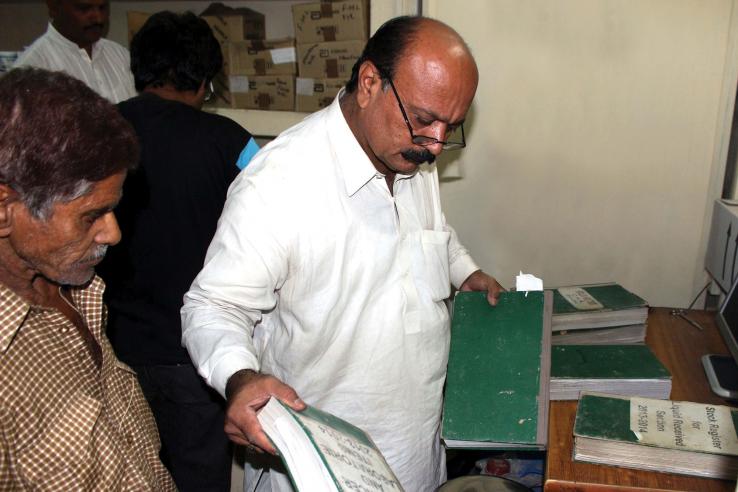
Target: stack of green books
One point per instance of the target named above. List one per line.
(598, 314)
(615, 369)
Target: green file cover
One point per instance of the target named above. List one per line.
(619, 307)
(669, 436)
(606, 362)
(612, 296)
(498, 372)
(615, 369)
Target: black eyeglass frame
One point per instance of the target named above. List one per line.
(422, 139)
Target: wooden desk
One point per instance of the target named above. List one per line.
(679, 346)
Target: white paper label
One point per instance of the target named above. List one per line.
(526, 282)
(580, 298)
(683, 425)
(304, 86)
(238, 83)
(283, 55)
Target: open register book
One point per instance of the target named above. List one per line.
(323, 452)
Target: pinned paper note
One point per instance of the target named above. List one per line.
(526, 282)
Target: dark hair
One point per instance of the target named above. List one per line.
(177, 49)
(58, 137)
(386, 47)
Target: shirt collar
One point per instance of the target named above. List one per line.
(58, 38)
(14, 308)
(355, 165)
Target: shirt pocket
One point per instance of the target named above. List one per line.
(61, 458)
(129, 409)
(434, 272)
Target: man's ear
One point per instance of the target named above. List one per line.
(8, 197)
(369, 82)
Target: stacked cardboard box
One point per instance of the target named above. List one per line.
(136, 20)
(330, 38)
(262, 74)
(239, 32)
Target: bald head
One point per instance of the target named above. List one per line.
(401, 39)
(439, 47)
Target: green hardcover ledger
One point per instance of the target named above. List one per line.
(498, 372)
(660, 435)
(596, 306)
(615, 369)
(324, 452)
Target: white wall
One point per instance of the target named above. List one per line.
(595, 141)
(592, 139)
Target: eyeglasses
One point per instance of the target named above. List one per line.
(209, 91)
(422, 139)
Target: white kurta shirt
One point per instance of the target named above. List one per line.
(108, 72)
(322, 278)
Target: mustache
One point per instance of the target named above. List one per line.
(94, 26)
(97, 254)
(418, 156)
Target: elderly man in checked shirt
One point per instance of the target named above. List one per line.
(72, 417)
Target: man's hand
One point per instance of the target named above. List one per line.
(246, 392)
(480, 281)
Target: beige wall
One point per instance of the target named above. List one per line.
(592, 139)
(596, 141)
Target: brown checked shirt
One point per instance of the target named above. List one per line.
(64, 424)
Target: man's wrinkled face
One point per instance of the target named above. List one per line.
(65, 247)
(81, 21)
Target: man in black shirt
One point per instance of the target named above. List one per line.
(168, 216)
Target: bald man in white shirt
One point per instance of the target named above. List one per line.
(74, 44)
(327, 277)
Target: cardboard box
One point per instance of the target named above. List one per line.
(234, 24)
(331, 21)
(328, 60)
(266, 92)
(315, 94)
(136, 20)
(257, 57)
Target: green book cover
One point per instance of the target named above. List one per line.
(666, 436)
(611, 296)
(608, 417)
(498, 370)
(324, 452)
(606, 362)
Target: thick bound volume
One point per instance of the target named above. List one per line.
(323, 452)
(614, 369)
(613, 335)
(498, 372)
(658, 435)
(597, 306)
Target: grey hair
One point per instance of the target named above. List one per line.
(40, 204)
